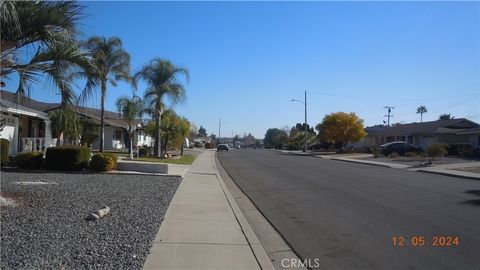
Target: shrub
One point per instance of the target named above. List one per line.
(29, 160)
(143, 151)
(4, 148)
(437, 150)
(462, 150)
(410, 154)
(102, 162)
(67, 157)
(394, 155)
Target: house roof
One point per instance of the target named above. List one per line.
(111, 118)
(431, 127)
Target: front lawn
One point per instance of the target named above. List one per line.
(185, 160)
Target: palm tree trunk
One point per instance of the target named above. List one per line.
(421, 117)
(156, 146)
(102, 116)
(131, 146)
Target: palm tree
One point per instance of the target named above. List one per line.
(111, 63)
(421, 110)
(131, 109)
(50, 29)
(161, 77)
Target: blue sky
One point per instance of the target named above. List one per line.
(249, 59)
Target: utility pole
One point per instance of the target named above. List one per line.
(389, 115)
(219, 127)
(304, 102)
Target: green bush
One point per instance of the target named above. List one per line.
(29, 160)
(375, 151)
(67, 157)
(410, 154)
(143, 151)
(4, 148)
(462, 150)
(437, 150)
(103, 162)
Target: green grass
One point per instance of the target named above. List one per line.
(185, 160)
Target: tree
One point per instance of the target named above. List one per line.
(64, 123)
(275, 138)
(88, 132)
(340, 128)
(131, 109)
(111, 63)
(161, 77)
(445, 116)
(421, 110)
(296, 136)
(202, 132)
(174, 130)
(49, 30)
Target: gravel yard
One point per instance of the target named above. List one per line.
(48, 228)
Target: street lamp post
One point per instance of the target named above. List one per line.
(220, 123)
(305, 104)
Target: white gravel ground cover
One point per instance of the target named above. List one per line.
(47, 229)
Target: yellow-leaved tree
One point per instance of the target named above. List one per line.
(340, 128)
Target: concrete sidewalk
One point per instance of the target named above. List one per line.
(203, 227)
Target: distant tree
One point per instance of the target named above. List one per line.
(421, 110)
(202, 132)
(275, 138)
(174, 129)
(249, 140)
(192, 132)
(213, 138)
(296, 137)
(340, 128)
(445, 116)
(132, 110)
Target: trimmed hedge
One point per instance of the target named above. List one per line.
(103, 162)
(4, 148)
(29, 160)
(67, 157)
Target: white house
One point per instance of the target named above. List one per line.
(28, 125)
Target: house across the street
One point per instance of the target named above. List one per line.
(28, 125)
(452, 131)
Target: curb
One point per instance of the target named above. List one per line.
(359, 162)
(451, 174)
(257, 249)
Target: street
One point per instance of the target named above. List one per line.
(346, 214)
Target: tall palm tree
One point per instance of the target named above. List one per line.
(50, 28)
(161, 77)
(111, 63)
(421, 110)
(131, 109)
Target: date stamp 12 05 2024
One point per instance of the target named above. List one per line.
(422, 241)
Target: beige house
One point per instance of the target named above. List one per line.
(453, 131)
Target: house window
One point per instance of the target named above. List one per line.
(117, 135)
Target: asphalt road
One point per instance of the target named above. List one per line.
(344, 215)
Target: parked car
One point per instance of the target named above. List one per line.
(221, 147)
(400, 147)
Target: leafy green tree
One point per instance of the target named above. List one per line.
(49, 29)
(275, 138)
(132, 110)
(445, 116)
(202, 132)
(174, 130)
(64, 123)
(421, 110)
(161, 77)
(340, 128)
(111, 63)
(88, 132)
(296, 137)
